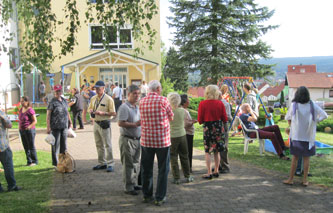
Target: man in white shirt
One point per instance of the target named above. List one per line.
(144, 89)
(117, 96)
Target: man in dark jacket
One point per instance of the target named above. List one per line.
(76, 106)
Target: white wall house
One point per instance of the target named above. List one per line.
(8, 62)
(320, 85)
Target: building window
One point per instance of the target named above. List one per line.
(302, 70)
(13, 58)
(119, 39)
(331, 93)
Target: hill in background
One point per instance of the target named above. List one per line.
(324, 63)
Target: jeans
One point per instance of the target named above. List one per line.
(6, 159)
(59, 146)
(77, 115)
(28, 141)
(147, 165)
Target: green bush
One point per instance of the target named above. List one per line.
(194, 103)
(262, 119)
(325, 123)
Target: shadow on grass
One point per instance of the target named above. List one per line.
(35, 182)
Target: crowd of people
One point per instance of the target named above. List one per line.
(151, 124)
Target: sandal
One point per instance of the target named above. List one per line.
(209, 177)
(305, 184)
(216, 175)
(287, 182)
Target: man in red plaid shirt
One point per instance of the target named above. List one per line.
(155, 113)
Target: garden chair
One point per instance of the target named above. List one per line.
(247, 139)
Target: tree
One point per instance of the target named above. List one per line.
(40, 23)
(175, 70)
(221, 37)
(282, 98)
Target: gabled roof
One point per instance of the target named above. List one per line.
(262, 85)
(310, 80)
(275, 91)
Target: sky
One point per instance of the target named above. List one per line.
(305, 30)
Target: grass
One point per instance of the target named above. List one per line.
(36, 182)
(321, 166)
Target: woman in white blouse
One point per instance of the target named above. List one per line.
(303, 116)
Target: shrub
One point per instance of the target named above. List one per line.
(194, 103)
(325, 123)
(262, 119)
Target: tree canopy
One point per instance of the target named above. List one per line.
(221, 37)
(40, 24)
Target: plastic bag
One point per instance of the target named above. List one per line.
(71, 133)
(50, 139)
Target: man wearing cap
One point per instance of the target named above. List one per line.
(129, 140)
(101, 108)
(58, 121)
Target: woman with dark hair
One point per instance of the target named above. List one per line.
(27, 122)
(189, 127)
(76, 106)
(303, 116)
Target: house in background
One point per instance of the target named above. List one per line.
(9, 62)
(320, 85)
(272, 94)
(262, 87)
(92, 62)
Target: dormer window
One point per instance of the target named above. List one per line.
(119, 38)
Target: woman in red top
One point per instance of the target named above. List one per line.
(213, 116)
(27, 122)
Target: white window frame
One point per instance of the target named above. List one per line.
(118, 44)
(112, 69)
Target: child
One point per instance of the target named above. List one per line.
(270, 111)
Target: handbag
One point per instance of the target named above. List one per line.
(105, 124)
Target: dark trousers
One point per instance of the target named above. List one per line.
(59, 146)
(28, 141)
(6, 159)
(77, 115)
(274, 134)
(147, 165)
(117, 103)
(224, 160)
(189, 139)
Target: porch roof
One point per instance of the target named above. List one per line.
(101, 54)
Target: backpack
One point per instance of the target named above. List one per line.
(66, 163)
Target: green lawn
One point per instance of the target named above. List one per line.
(321, 166)
(36, 182)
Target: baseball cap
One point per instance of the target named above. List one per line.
(99, 84)
(57, 87)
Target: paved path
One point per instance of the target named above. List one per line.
(245, 189)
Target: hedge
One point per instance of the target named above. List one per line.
(325, 123)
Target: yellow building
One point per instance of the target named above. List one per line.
(91, 62)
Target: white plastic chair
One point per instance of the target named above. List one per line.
(247, 139)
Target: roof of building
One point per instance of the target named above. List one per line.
(310, 80)
(302, 68)
(262, 85)
(275, 91)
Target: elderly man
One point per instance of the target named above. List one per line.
(270, 132)
(129, 140)
(101, 108)
(155, 112)
(6, 155)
